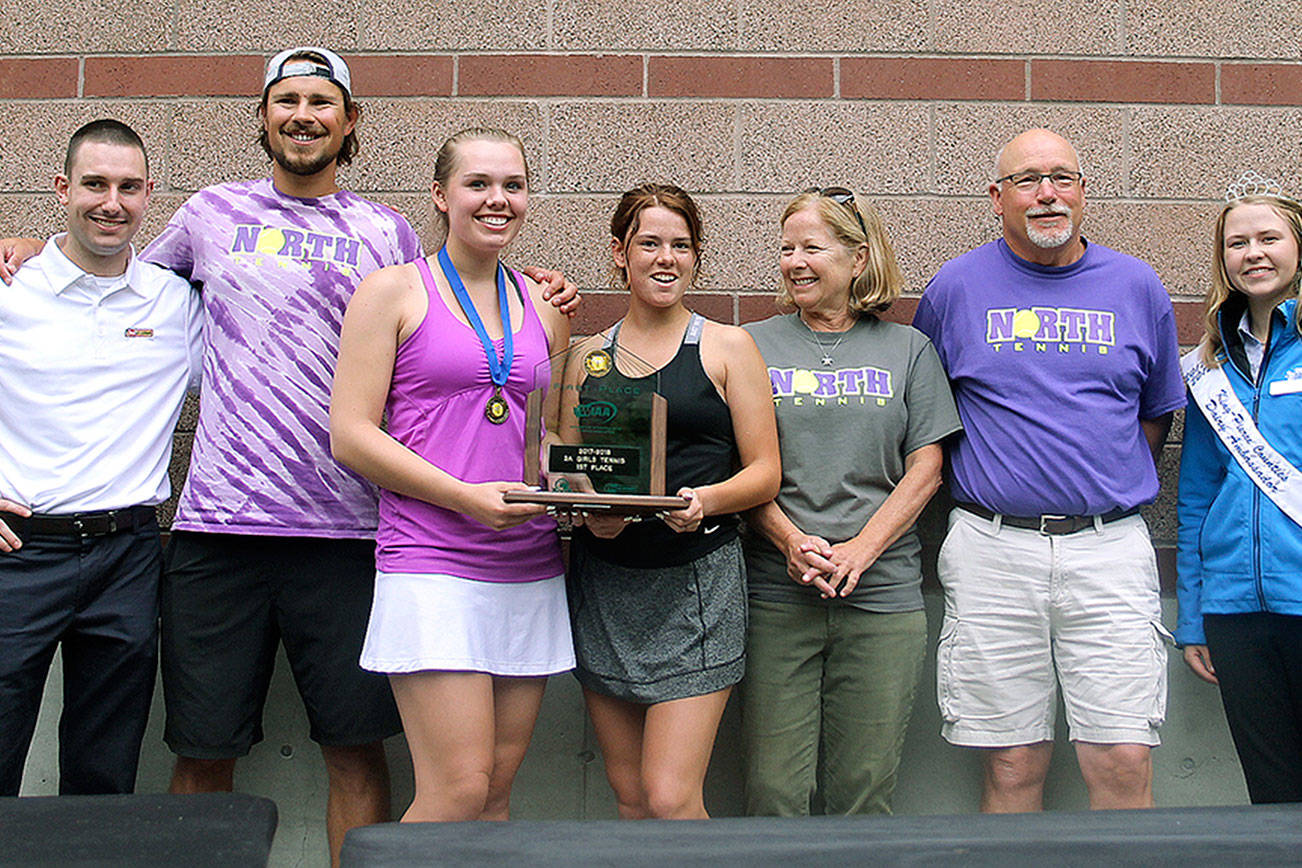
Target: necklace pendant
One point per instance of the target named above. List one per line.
(827, 361)
(497, 410)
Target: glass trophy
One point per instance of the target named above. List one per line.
(595, 440)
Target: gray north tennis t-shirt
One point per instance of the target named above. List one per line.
(844, 430)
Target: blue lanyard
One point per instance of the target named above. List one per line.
(497, 370)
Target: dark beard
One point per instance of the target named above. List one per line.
(301, 167)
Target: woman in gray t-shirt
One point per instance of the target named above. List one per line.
(837, 631)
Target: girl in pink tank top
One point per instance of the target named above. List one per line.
(469, 615)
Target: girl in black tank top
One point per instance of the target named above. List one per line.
(658, 606)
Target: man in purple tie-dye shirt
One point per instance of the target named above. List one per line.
(273, 541)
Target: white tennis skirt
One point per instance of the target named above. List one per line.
(429, 621)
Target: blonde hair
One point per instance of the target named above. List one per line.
(1223, 286)
(445, 161)
(881, 282)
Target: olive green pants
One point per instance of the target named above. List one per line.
(825, 704)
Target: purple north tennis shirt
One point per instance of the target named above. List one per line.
(276, 273)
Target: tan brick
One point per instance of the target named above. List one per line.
(741, 242)
(1124, 81)
(418, 208)
(869, 147)
(466, 25)
(401, 137)
(932, 78)
(1173, 237)
(31, 215)
(549, 75)
(28, 163)
(1193, 153)
(784, 77)
(833, 26)
(609, 147)
(571, 233)
(1261, 83)
(75, 27)
(401, 75)
(176, 471)
(926, 233)
(644, 25)
(969, 136)
(1213, 28)
(38, 78)
(259, 28)
(1161, 513)
(162, 205)
(1028, 26)
(189, 414)
(214, 141)
(174, 75)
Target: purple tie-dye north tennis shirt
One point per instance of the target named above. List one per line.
(276, 274)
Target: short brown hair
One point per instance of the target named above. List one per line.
(624, 222)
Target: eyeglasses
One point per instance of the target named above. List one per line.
(1061, 179)
(841, 196)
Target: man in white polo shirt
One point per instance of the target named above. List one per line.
(97, 350)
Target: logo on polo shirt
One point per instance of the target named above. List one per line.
(289, 244)
(841, 387)
(1068, 329)
(138, 333)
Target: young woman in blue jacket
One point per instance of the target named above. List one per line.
(1240, 505)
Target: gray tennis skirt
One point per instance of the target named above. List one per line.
(650, 635)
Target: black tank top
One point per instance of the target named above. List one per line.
(699, 450)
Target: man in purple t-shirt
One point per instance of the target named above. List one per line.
(1064, 363)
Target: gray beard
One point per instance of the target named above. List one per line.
(1049, 240)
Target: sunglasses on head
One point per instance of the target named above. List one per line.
(842, 196)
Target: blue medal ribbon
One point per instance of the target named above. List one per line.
(498, 370)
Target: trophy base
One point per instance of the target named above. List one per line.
(616, 504)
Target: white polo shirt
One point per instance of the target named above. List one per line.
(93, 372)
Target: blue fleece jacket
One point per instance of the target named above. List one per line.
(1238, 551)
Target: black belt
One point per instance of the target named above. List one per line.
(1053, 525)
(81, 524)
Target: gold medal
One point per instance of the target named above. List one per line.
(496, 409)
(597, 363)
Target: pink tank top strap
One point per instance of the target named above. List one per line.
(530, 321)
(436, 303)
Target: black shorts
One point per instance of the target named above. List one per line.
(228, 600)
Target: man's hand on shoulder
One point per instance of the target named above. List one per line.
(14, 252)
(555, 288)
(9, 541)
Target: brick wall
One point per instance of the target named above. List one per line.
(742, 102)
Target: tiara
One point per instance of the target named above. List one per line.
(1252, 183)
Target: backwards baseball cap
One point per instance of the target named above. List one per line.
(309, 60)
